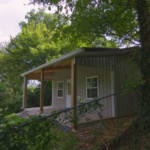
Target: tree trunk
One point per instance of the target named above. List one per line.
(144, 23)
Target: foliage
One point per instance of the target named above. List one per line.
(40, 132)
(3, 113)
(82, 111)
(28, 137)
(6, 102)
(33, 94)
(133, 84)
(39, 41)
(58, 26)
(51, 21)
(3, 94)
(134, 139)
(14, 106)
(94, 19)
(29, 49)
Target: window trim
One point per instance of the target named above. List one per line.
(60, 89)
(93, 87)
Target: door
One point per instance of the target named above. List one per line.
(68, 97)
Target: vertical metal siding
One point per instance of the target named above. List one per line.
(95, 66)
(127, 103)
(89, 66)
(61, 75)
(101, 66)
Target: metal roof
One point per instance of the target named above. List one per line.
(83, 52)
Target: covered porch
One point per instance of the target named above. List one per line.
(45, 73)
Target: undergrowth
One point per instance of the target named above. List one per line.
(45, 135)
(37, 132)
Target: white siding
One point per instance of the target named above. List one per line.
(102, 66)
(61, 75)
(104, 86)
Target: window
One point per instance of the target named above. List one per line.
(60, 88)
(92, 87)
(69, 87)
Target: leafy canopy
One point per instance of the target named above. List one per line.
(40, 40)
(100, 18)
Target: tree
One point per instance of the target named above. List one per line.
(28, 49)
(100, 18)
(143, 12)
(127, 22)
(37, 43)
(51, 21)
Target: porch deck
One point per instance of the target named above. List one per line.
(36, 111)
(47, 111)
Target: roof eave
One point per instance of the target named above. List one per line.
(57, 60)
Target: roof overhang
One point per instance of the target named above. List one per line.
(55, 61)
(65, 60)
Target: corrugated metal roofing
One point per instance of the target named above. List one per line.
(83, 52)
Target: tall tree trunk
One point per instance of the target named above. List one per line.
(144, 23)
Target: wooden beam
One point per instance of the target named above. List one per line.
(38, 75)
(45, 79)
(73, 92)
(52, 69)
(42, 91)
(25, 93)
(33, 76)
(47, 71)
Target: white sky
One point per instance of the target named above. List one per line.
(11, 13)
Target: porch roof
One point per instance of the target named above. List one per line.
(65, 60)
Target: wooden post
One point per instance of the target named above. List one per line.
(42, 91)
(73, 92)
(25, 93)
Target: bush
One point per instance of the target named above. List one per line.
(34, 134)
(13, 106)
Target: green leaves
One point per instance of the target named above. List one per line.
(42, 38)
(94, 19)
(44, 133)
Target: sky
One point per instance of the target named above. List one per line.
(12, 12)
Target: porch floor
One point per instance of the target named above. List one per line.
(48, 109)
(36, 111)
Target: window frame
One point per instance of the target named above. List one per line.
(60, 89)
(92, 87)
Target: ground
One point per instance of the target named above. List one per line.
(134, 139)
(101, 135)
